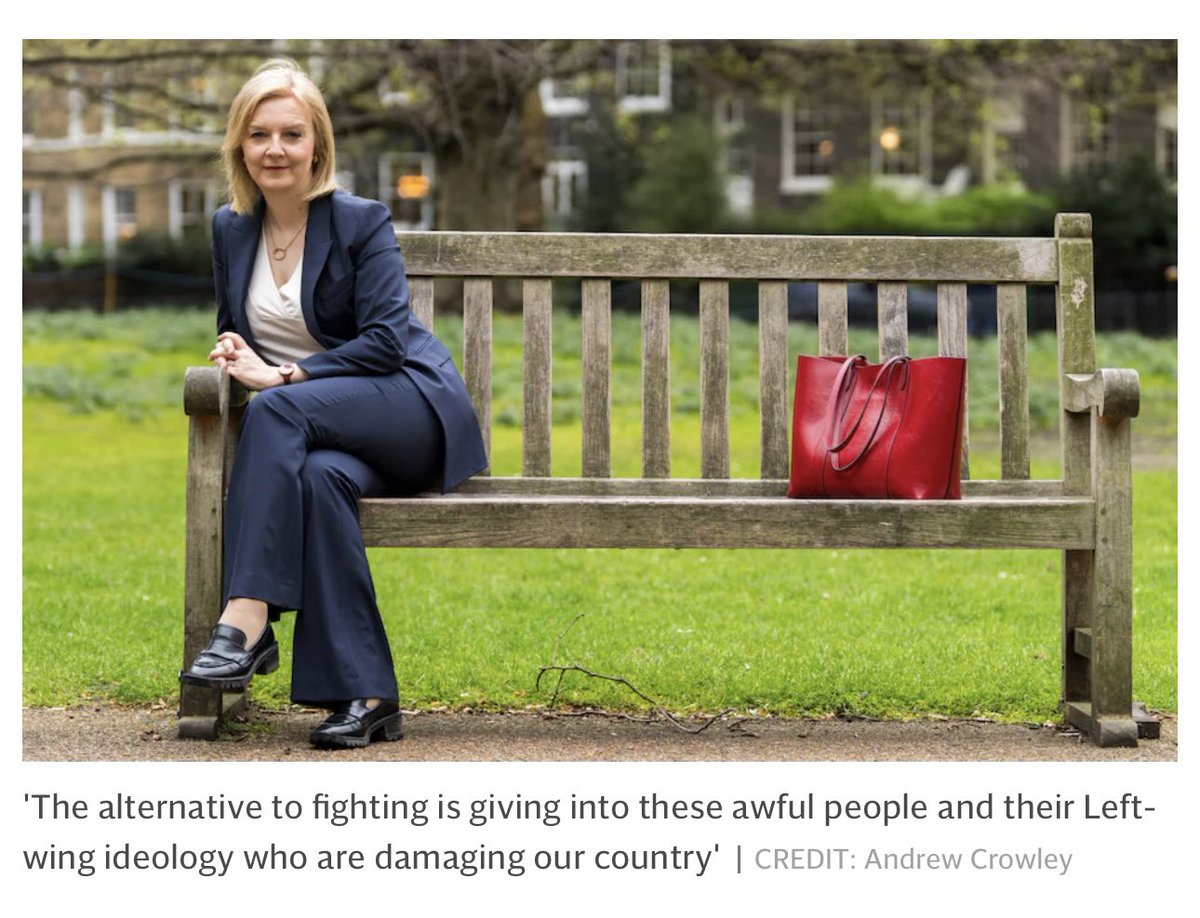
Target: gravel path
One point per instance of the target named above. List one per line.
(109, 733)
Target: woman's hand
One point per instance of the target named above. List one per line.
(239, 360)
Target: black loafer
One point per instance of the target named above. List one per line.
(226, 663)
(354, 724)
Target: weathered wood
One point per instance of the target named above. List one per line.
(420, 292)
(461, 521)
(208, 726)
(203, 554)
(856, 258)
(597, 363)
(656, 379)
(207, 396)
(952, 342)
(1012, 334)
(714, 379)
(893, 320)
(1076, 355)
(1083, 642)
(535, 429)
(1111, 661)
(1076, 339)
(1077, 602)
(710, 487)
(477, 352)
(773, 378)
(1113, 393)
(1086, 514)
(1104, 731)
(832, 319)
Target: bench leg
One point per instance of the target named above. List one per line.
(1098, 601)
(202, 709)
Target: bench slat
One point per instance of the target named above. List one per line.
(952, 342)
(477, 352)
(656, 379)
(1012, 330)
(893, 320)
(773, 377)
(597, 362)
(1076, 339)
(653, 522)
(713, 487)
(714, 379)
(535, 447)
(858, 258)
(832, 319)
(420, 291)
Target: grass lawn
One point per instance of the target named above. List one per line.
(887, 633)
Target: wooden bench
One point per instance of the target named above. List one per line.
(1086, 513)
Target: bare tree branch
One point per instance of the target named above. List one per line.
(620, 680)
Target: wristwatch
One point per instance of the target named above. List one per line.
(286, 370)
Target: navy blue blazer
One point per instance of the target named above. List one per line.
(354, 297)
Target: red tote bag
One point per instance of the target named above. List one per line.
(890, 430)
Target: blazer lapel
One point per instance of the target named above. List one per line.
(317, 242)
(242, 249)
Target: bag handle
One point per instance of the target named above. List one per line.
(839, 404)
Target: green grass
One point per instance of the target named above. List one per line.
(867, 632)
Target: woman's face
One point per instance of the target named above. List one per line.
(278, 146)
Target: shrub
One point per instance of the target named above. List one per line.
(680, 189)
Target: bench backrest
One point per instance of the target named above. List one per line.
(950, 263)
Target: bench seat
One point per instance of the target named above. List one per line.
(678, 513)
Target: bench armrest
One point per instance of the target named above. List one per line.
(1114, 393)
(206, 390)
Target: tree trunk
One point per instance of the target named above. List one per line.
(477, 189)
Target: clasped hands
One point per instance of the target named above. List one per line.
(233, 355)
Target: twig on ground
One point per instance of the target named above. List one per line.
(562, 671)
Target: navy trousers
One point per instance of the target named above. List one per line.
(306, 454)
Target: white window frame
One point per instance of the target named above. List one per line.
(556, 106)
(175, 215)
(637, 104)
(789, 182)
(729, 119)
(34, 219)
(908, 181)
(75, 106)
(1004, 116)
(110, 218)
(76, 217)
(1166, 121)
(558, 175)
(1069, 158)
(389, 96)
(387, 191)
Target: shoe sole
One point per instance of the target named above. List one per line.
(267, 664)
(390, 727)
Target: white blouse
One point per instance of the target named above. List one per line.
(276, 320)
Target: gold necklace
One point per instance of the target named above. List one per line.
(279, 254)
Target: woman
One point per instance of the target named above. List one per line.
(355, 399)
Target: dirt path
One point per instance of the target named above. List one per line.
(109, 733)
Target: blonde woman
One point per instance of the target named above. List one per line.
(355, 399)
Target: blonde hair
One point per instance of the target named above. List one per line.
(277, 77)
